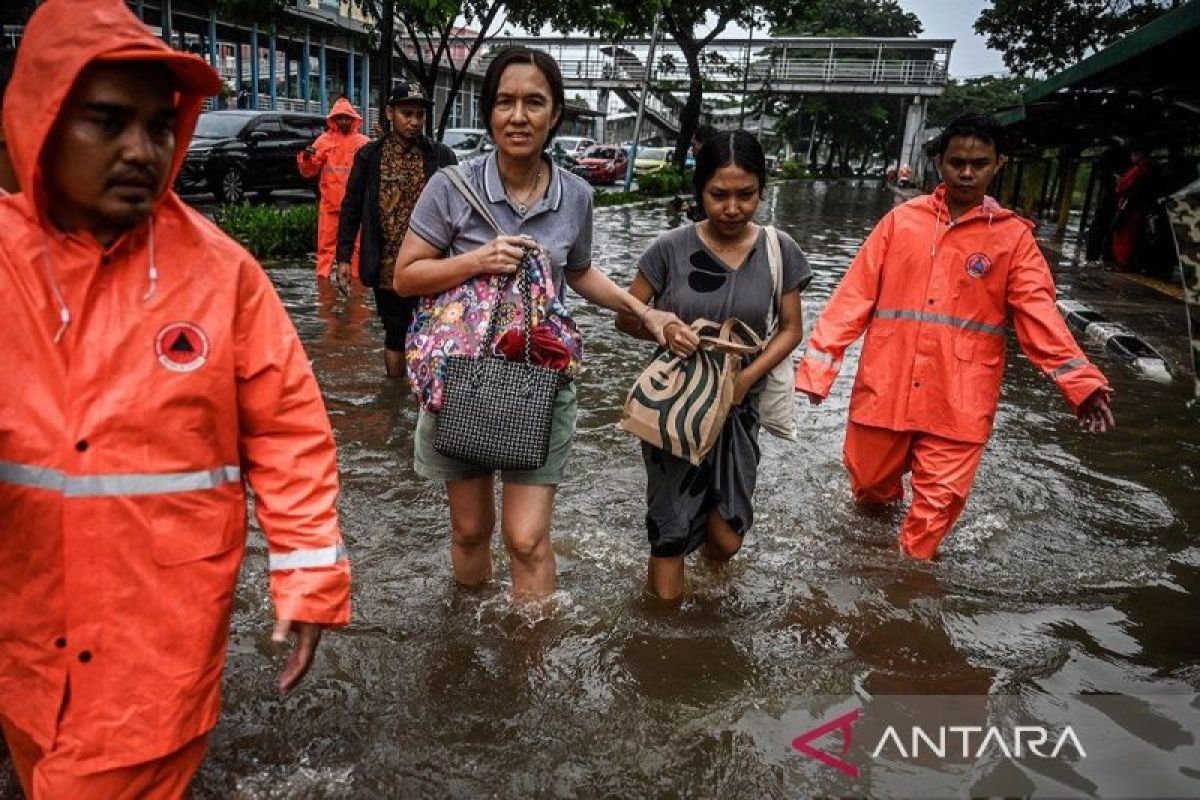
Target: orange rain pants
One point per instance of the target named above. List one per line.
(942, 473)
(333, 157)
(53, 775)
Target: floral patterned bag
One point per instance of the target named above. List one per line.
(455, 322)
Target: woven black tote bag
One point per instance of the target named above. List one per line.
(496, 413)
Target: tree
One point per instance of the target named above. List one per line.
(850, 128)
(988, 95)
(1042, 36)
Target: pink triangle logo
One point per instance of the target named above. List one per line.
(843, 724)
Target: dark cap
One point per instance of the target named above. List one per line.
(405, 92)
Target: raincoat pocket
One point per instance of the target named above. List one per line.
(189, 528)
(978, 358)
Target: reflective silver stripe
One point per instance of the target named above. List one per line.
(942, 319)
(307, 559)
(117, 485)
(1070, 366)
(817, 355)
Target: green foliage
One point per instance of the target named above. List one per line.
(602, 199)
(794, 168)
(1044, 36)
(847, 18)
(665, 182)
(270, 231)
(987, 95)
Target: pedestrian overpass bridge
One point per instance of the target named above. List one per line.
(782, 65)
(799, 65)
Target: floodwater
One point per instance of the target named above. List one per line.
(1075, 569)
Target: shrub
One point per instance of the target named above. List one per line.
(665, 182)
(271, 231)
(794, 169)
(602, 199)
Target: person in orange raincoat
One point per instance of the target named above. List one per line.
(933, 287)
(331, 157)
(149, 376)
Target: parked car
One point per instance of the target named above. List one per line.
(652, 159)
(574, 146)
(467, 143)
(234, 153)
(603, 164)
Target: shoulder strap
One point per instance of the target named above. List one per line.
(458, 177)
(775, 260)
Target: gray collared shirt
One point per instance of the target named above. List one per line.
(560, 220)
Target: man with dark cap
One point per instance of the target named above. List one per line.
(385, 182)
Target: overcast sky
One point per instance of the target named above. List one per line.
(955, 19)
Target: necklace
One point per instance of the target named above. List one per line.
(523, 207)
(708, 240)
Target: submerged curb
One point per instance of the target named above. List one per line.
(1121, 342)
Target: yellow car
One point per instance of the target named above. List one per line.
(652, 159)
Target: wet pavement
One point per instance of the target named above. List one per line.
(1074, 569)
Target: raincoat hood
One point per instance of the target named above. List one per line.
(62, 38)
(990, 208)
(343, 108)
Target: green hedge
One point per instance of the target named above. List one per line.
(667, 181)
(271, 231)
(602, 199)
(794, 169)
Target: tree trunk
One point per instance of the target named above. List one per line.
(387, 43)
(689, 117)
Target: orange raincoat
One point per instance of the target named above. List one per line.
(935, 298)
(334, 157)
(142, 386)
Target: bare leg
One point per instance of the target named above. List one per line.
(393, 361)
(723, 541)
(472, 519)
(525, 523)
(665, 576)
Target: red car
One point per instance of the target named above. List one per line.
(603, 164)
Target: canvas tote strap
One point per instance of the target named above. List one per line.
(775, 260)
(458, 177)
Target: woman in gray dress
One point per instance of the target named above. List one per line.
(715, 269)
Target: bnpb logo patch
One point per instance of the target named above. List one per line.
(978, 265)
(181, 347)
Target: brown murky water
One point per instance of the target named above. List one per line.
(1075, 569)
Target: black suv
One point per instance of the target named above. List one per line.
(234, 153)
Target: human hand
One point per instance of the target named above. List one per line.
(1095, 415)
(310, 151)
(671, 332)
(308, 635)
(813, 398)
(341, 277)
(503, 255)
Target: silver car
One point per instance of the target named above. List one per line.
(467, 143)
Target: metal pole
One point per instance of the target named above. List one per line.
(305, 66)
(165, 20)
(366, 90)
(271, 68)
(324, 94)
(212, 39)
(254, 66)
(350, 74)
(637, 126)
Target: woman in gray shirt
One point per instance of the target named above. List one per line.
(715, 269)
(447, 244)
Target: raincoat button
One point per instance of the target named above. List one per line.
(85, 656)
(81, 445)
(60, 642)
(931, 301)
(916, 384)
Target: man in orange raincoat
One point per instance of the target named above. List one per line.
(933, 287)
(149, 375)
(331, 157)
